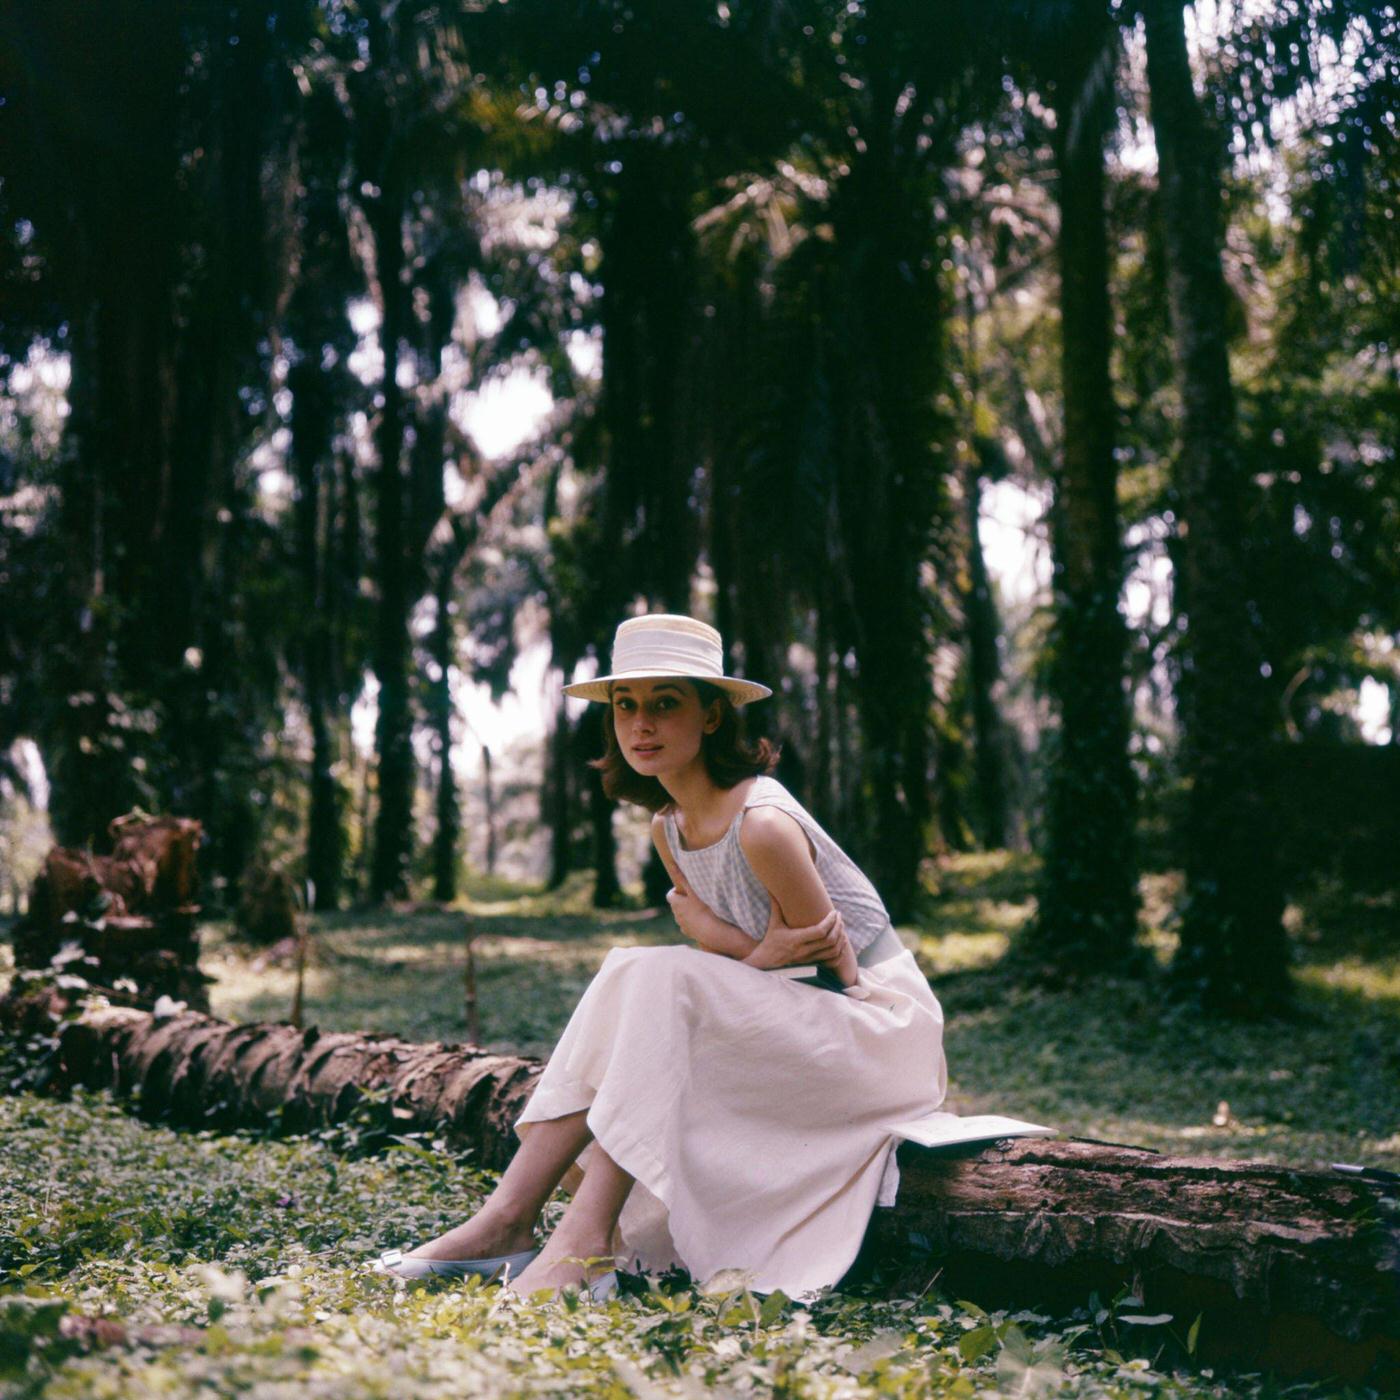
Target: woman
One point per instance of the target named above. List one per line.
(725, 1116)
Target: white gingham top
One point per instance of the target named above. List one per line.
(722, 877)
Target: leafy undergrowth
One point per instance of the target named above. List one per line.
(136, 1261)
(1121, 1061)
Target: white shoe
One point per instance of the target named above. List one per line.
(503, 1266)
(603, 1287)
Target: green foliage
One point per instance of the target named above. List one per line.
(138, 1261)
(135, 1260)
(1116, 1060)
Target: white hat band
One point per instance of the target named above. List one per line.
(669, 653)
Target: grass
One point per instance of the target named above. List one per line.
(1115, 1060)
(139, 1262)
(229, 1264)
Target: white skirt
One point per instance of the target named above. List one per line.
(753, 1112)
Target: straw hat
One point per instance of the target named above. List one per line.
(668, 644)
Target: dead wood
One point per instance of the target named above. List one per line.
(1293, 1269)
(131, 913)
(193, 1069)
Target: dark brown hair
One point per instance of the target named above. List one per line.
(729, 756)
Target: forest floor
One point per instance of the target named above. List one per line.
(227, 1263)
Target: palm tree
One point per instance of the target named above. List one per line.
(1085, 920)
(1233, 953)
(161, 272)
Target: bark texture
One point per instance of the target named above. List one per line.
(131, 912)
(194, 1069)
(1086, 917)
(1294, 1269)
(1233, 952)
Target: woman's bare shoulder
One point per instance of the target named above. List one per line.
(770, 830)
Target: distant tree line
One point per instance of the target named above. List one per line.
(805, 283)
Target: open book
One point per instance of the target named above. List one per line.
(941, 1129)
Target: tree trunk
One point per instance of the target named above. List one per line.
(195, 1069)
(325, 837)
(824, 803)
(606, 890)
(393, 832)
(132, 913)
(982, 629)
(893, 501)
(489, 794)
(557, 807)
(1291, 1269)
(447, 836)
(1232, 955)
(312, 428)
(1086, 918)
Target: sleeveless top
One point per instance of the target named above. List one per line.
(722, 877)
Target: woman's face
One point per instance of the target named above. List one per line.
(660, 723)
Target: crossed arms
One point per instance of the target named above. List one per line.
(803, 925)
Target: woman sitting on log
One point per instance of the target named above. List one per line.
(726, 1116)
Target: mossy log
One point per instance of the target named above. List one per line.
(1297, 1270)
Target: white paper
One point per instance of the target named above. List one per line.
(943, 1129)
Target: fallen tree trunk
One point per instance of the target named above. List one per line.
(1294, 1270)
(192, 1069)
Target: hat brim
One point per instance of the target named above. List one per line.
(740, 692)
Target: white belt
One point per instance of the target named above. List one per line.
(887, 945)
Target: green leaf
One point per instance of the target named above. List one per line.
(880, 1346)
(1193, 1334)
(772, 1309)
(976, 1344)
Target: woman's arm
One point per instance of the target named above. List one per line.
(780, 854)
(694, 917)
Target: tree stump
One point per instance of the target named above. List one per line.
(1293, 1269)
(131, 914)
(267, 906)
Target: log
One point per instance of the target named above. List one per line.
(1295, 1270)
(192, 1069)
(1291, 1269)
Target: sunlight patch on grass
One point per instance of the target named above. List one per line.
(1373, 981)
(941, 954)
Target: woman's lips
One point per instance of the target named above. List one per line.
(653, 748)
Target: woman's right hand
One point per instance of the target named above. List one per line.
(784, 946)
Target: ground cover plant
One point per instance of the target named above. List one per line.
(137, 1261)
